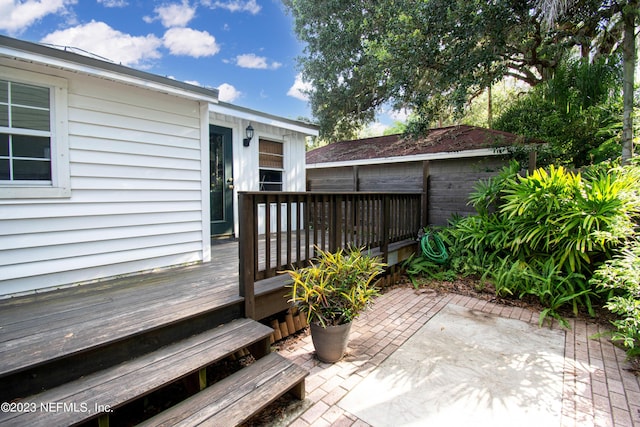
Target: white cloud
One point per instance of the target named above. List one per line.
(113, 3)
(189, 42)
(299, 89)
(173, 15)
(250, 6)
(228, 93)
(100, 39)
(16, 16)
(250, 60)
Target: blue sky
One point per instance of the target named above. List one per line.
(245, 48)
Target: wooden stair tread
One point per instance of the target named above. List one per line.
(238, 397)
(38, 329)
(130, 380)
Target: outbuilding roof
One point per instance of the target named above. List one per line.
(450, 139)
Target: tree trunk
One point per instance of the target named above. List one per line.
(489, 108)
(629, 62)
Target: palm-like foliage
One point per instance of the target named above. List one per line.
(548, 232)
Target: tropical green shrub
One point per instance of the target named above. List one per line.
(546, 282)
(476, 242)
(622, 275)
(421, 266)
(571, 112)
(547, 233)
(576, 220)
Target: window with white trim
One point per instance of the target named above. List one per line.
(271, 160)
(33, 140)
(25, 133)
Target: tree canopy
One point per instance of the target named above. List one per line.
(578, 112)
(428, 54)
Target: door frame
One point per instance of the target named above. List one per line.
(224, 227)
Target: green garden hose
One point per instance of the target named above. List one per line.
(433, 247)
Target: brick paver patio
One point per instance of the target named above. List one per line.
(599, 389)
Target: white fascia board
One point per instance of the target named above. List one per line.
(254, 116)
(480, 152)
(50, 61)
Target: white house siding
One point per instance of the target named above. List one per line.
(136, 202)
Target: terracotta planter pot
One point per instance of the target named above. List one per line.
(330, 342)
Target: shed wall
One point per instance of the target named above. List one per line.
(450, 181)
(136, 201)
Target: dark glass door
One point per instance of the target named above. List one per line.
(221, 183)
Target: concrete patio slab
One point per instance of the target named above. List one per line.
(465, 367)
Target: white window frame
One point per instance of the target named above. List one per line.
(273, 169)
(59, 187)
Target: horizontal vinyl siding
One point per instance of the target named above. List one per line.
(136, 193)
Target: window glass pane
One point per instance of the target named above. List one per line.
(270, 180)
(31, 170)
(4, 115)
(4, 169)
(4, 91)
(31, 146)
(4, 144)
(28, 118)
(33, 96)
(271, 187)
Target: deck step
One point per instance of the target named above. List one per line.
(75, 323)
(82, 399)
(238, 397)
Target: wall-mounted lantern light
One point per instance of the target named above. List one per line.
(249, 135)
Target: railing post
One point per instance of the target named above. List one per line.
(386, 224)
(335, 222)
(426, 180)
(248, 230)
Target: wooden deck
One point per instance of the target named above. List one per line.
(57, 324)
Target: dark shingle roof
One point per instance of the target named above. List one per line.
(440, 140)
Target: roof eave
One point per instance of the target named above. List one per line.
(479, 152)
(265, 118)
(43, 55)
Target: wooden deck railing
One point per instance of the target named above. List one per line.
(280, 230)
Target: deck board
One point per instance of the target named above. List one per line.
(49, 325)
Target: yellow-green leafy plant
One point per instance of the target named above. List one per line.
(336, 286)
(622, 275)
(546, 233)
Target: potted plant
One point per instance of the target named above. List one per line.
(333, 290)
